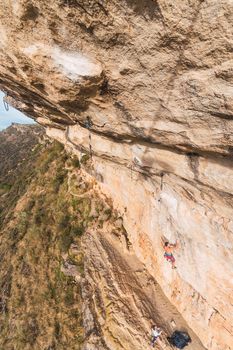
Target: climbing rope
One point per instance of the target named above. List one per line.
(88, 125)
(161, 187)
(5, 103)
(161, 184)
(90, 148)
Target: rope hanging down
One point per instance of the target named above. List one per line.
(162, 181)
(5, 103)
(161, 186)
(88, 125)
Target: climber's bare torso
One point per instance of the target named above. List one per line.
(168, 248)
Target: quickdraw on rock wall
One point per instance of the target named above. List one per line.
(5, 103)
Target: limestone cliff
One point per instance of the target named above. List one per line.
(155, 79)
(68, 277)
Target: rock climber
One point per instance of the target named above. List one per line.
(155, 333)
(168, 253)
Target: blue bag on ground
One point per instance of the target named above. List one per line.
(180, 339)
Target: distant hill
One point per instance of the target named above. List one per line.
(16, 145)
(40, 305)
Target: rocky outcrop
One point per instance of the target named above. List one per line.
(155, 80)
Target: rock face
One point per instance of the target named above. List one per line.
(152, 80)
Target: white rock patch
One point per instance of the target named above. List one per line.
(72, 64)
(33, 49)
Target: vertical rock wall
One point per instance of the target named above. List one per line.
(155, 79)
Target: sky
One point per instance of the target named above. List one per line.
(12, 116)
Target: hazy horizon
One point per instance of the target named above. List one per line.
(11, 116)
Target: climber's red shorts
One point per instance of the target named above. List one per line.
(169, 257)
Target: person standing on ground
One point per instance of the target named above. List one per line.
(155, 333)
(168, 248)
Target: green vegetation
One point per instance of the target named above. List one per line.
(4, 187)
(75, 162)
(39, 221)
(85, 158)
(44, 214)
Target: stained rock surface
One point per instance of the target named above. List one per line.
(154, 78)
